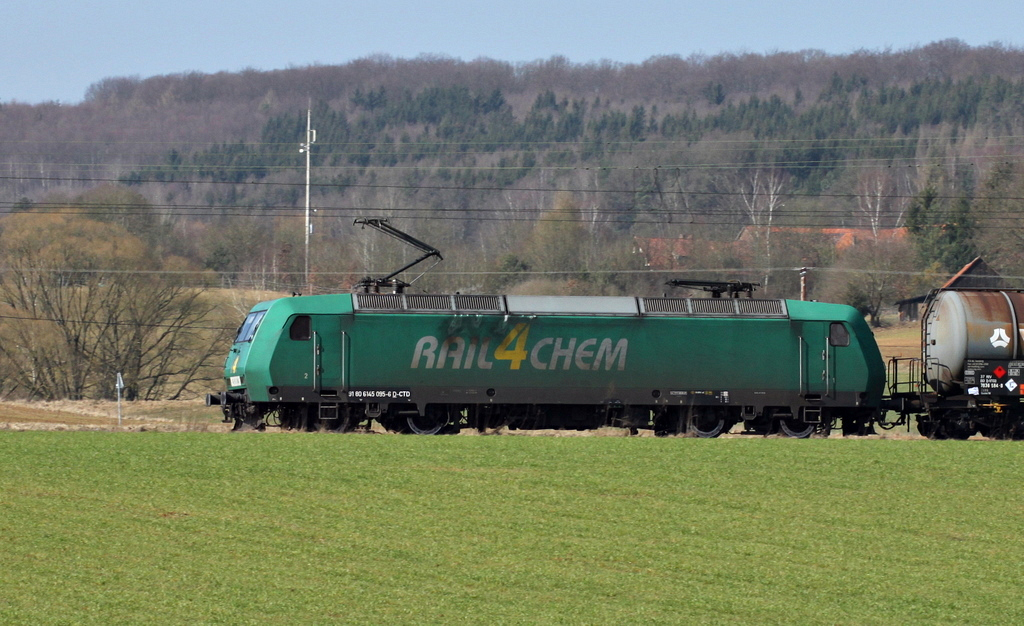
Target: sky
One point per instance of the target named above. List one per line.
(53, 50)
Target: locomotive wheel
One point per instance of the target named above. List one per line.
(243, 426)
(765, 425)
(342, 424)
(488, 418)
(705, 425)
(795, 427)
(431, 423)
(393, 424)
(668, 421)
(248, 417)
(492, 423)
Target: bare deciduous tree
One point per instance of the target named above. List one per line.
(872, 274)
(84, 300)
(761, 195)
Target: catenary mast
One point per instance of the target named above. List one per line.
(307, 147)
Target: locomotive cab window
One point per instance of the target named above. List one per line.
(838, 335)
(301, 329)
(249, 326)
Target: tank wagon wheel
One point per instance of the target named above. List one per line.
(705, 423)
(925, 427)
(950, 425)
(961, 429)
(1010, 429)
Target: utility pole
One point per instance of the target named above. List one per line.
(307, 147)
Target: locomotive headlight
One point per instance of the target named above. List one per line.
(235, 381)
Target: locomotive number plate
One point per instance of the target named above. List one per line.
(379, 394)
(703, 396)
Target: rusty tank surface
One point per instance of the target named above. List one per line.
(963, 330)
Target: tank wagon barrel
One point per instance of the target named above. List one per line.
(434, 363)
(970, 374)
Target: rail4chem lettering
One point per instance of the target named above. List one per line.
(516, 348)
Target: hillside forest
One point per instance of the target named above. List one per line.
(129, 216)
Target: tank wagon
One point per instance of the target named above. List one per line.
(969, 377)
(427, 364)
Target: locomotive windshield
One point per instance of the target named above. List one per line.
(249, 326)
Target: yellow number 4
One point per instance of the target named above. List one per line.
(517, 354)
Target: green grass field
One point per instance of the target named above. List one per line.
(100, 527)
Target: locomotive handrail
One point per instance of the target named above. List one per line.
(800, 360)
(344, 362)
(316, 354)
(827, 373)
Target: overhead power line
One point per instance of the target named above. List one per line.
(644, 189)
(866, 162)
(110, 323)
(646, 271)
(649, 141)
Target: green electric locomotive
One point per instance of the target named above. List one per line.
(434, 363)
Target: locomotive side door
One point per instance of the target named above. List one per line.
(817, 362)
(327, 354)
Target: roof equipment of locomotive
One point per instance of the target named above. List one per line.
(369, 284)
(731, 287)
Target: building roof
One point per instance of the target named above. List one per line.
(975, 275)
(663, 253)
(842, 238)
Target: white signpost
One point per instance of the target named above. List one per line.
(120, 386)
